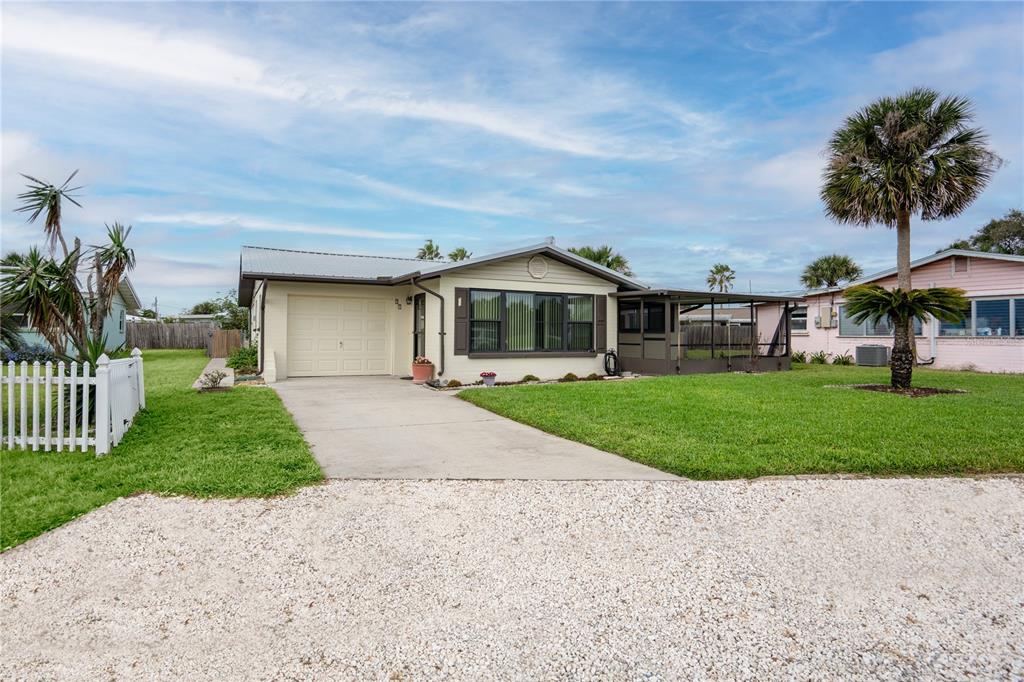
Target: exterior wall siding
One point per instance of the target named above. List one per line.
(983, 278)
(114, 328)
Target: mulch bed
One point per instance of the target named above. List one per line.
(913, 392)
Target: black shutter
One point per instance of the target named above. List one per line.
(461, 321)
(601, 323)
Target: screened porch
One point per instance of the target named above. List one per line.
(672, 331)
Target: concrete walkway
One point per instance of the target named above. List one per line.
(215, 364)
(384, 427)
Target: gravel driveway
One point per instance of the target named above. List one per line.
(530, 579)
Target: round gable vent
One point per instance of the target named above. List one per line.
(537, 267)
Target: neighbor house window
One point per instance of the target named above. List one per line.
(992, 318)
(989, 317)
(798, 319)
(847, 327)
(517, 322)
(629, 317)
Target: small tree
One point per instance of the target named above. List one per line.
(720, 277)
(225, 308)
(459, 253)
(1002, 235)
(606, 256)
(429, 251)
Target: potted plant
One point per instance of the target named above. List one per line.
(488, 378)
(422, 370)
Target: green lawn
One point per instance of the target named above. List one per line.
(237, 443)
(715, 426)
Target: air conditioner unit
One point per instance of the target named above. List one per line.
(872, 355)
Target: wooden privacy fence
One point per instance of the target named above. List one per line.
(57, 407)
(168, 335)
(223, 342)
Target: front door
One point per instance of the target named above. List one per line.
(419, 325)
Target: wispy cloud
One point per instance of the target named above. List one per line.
(256, 224)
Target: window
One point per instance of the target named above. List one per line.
(654, 318)
(518, 322)
(847, 327)
(1018, 316)
(120, 321)
(992, 318)
(485, 321)
(629, 317)
(798, 319)
(581, 322)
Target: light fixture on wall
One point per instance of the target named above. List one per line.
(408, 300)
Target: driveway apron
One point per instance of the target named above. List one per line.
(389, 428)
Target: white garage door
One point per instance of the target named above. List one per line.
(329, 336)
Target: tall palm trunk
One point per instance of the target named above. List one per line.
(902, 362)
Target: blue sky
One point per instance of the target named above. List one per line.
(682, 134)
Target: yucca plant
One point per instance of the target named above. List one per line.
(870, 302)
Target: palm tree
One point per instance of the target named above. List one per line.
(915, 154)
(606, 256)
(870, 302)
(47, 292)
(720, 277)
(459, 253)
(829, 271)
(429, 251)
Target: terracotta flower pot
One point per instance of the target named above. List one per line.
(421, 374)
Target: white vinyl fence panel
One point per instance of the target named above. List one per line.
(68, 406)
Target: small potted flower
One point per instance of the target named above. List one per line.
(488, 378)
(422, 370)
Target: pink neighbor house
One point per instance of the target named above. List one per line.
(991, 339)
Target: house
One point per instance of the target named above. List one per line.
(126, 302)
(538, 310)
(990, 339)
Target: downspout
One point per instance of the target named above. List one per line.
(933, 326)
(263, 323)
(440, 370)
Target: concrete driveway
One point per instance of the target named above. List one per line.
(385, 427)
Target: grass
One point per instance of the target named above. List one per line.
(719, 426)
(231, 444)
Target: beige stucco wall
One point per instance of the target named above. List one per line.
(509, 275)
(512, 274)
(276, 321)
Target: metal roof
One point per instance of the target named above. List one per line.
(259, 262)
(706, 297)
(938, 255)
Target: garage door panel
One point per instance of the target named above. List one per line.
(337, 335)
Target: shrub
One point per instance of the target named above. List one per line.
(569, 377)
(819, 358)
(212, 379)
(453, 383)
(30, 352)
(844, 359)
(528, 378)
(593, 377)
(799, 357)
(244, 358)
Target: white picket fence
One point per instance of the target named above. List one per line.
(62, 407)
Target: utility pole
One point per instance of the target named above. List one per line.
(156, 308)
